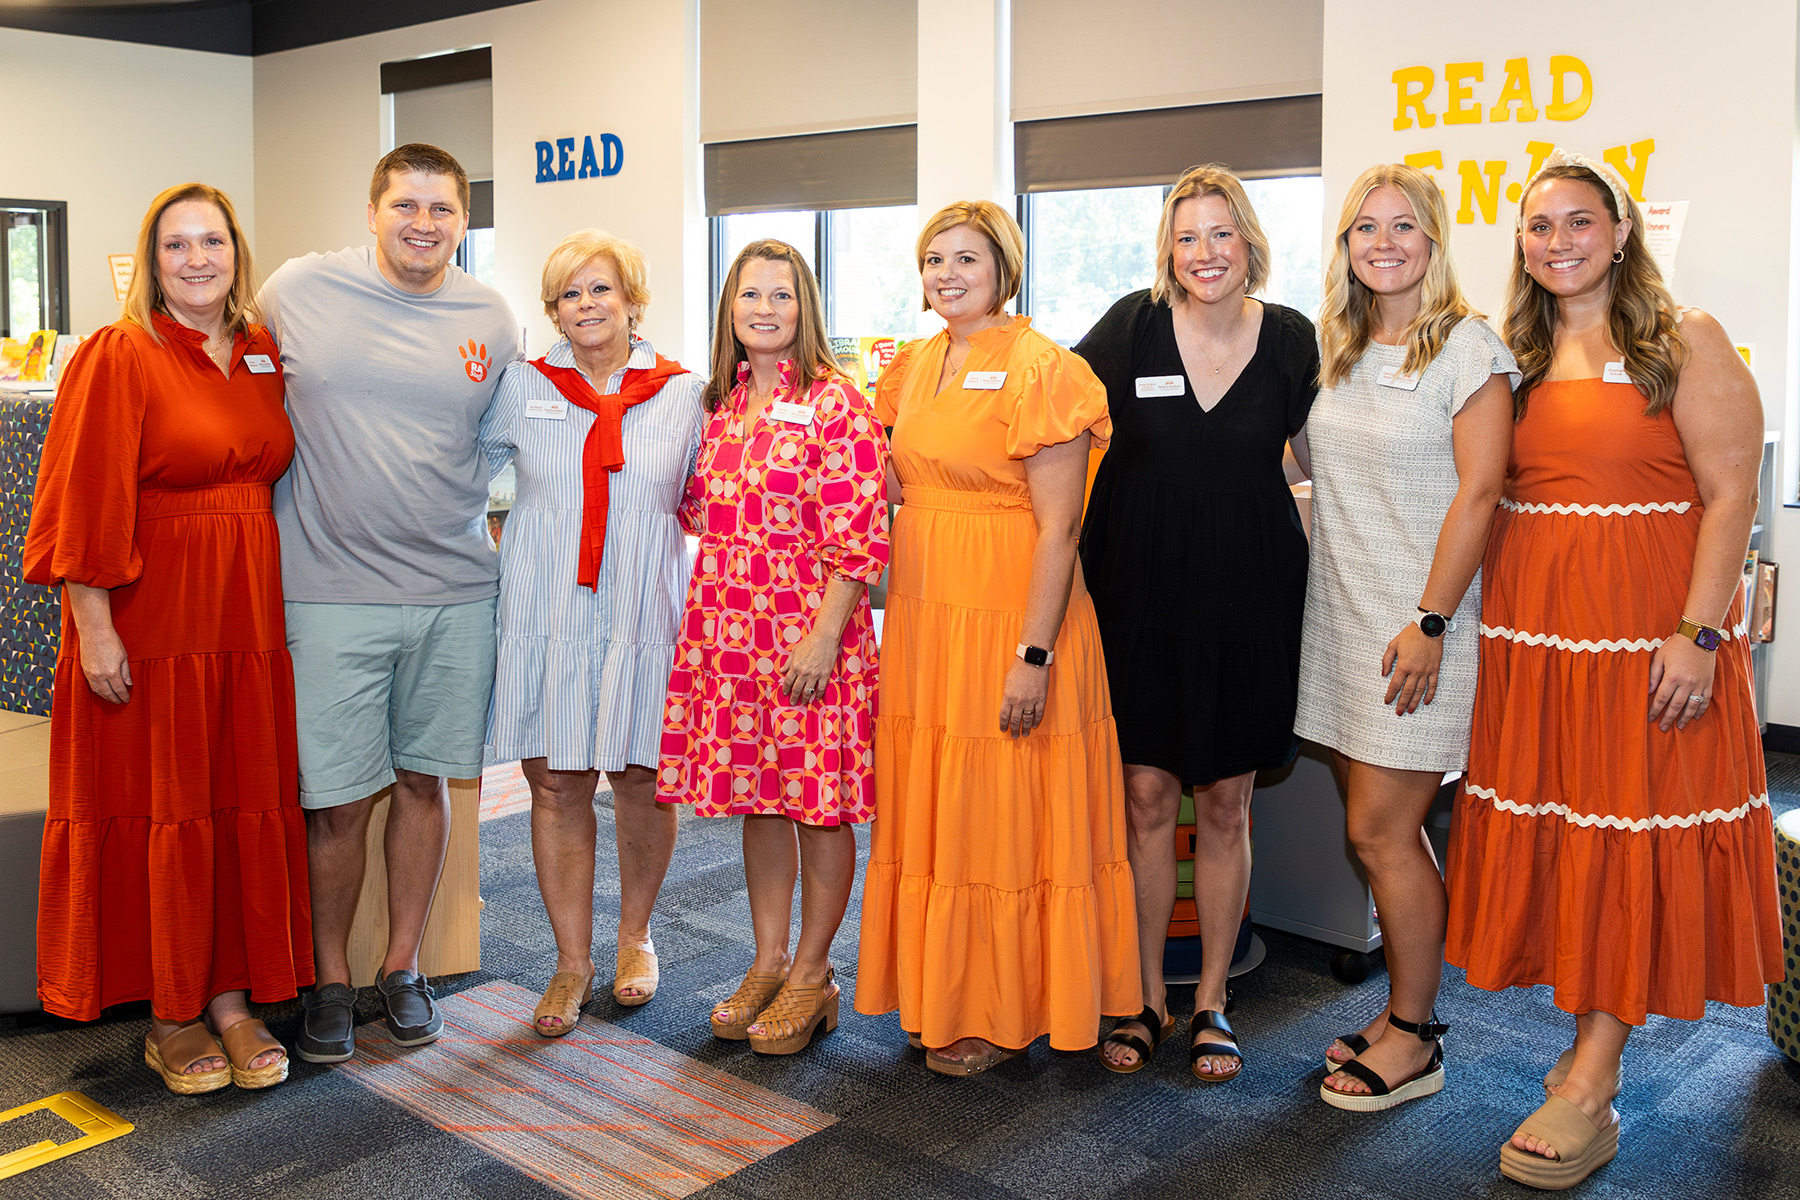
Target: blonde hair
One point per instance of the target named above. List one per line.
(1348, 305)
(145, 296)
(583, 247)
(1640, 313)
(1002, 233)
(1209, 180)
(812, 348)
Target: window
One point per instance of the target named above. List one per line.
(34, 273)
(862, 257)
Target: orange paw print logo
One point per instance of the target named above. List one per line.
(475, 361)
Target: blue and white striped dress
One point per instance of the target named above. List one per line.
(582, 673)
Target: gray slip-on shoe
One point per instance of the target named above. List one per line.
(327, 1024)
(411, 1016)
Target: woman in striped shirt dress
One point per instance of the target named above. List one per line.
(602, 433)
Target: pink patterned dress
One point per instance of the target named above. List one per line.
(779, 507)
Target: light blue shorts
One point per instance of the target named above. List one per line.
(385, 686)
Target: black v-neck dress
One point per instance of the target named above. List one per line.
(1193, 549)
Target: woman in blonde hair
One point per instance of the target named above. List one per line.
(1408, 439)
(1625, 859)
(174, 859)
(602, 432)
(1197, 560)
(998, 906)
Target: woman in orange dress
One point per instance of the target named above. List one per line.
(174, 862)
(998, 906)
(1627, 862)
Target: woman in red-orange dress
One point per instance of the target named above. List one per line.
(1628, 862)
(174, 862)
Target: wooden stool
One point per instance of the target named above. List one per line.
(452, 941)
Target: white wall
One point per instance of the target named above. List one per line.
(1721, 111)
(562, 68)
(105, 126)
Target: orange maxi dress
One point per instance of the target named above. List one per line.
(998, 901)
(1632, 870)
(174, 862)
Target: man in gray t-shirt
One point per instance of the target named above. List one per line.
(391, 355)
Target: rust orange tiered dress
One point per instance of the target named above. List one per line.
(174, 863)
(998, 903)
(1632, 870)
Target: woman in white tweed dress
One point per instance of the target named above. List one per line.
(1408, 442)
(603, 433)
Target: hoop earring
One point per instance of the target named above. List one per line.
(1619, 255)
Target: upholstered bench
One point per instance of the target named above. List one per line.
(1784, 997)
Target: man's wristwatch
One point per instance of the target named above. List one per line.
(1035, 656)
(1431, 624)
(1704, 636)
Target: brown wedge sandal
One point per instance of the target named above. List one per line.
(964, 1065)
(243, 1041)
(795, 1015)
(180, 1050)
(560, 1001)
(753, 995)
(636, 969)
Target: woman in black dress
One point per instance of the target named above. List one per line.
(1196, 558)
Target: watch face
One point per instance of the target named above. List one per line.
(1431, 624)
(1707, 639)
(1037, 656)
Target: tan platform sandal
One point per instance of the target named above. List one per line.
(636, 968)
(180, 1050)
(1581, 1149)
(560, 1002)
(795, 1015)
(753, 995)
(243, 1041)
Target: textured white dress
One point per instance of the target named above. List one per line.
(1384, 474)
(581, 673)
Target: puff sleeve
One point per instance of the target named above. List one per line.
(852, 469)
(1473, 352)
(1059, 397)
(84, 514)
(892, 381)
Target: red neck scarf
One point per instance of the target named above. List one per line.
(604, 450)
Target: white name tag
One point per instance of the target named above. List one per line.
(1394, 378)
(1161, 385)
(546, 409)
(1615, 373)
(259, 364)
(984, 381)
(793, 414)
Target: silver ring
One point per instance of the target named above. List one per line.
(1696, 698)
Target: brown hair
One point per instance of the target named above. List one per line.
(1640, 313)
(812, 348)
(998, 227)
(423, 158)
(583, 247)
(1209, 180)
(145, 295)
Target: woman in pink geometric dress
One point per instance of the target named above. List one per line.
(771, 703)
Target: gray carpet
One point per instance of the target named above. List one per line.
(1710, 1108)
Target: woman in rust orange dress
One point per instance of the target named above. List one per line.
(174, 863)
(1626, 861)
(999, 904)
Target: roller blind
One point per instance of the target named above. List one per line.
(858, 168)
(1253, 138)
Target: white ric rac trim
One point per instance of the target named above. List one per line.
(1593, 820)
(1597, 510)
(1558, 642)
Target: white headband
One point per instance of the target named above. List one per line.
(1559, 157)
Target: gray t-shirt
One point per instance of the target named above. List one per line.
(386, 502)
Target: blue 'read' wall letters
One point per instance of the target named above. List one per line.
(556, 160)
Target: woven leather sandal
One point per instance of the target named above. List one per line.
(1383, 1095)
(1581, 1149)
(795, 1015)
(753, 995)
(243, 1041)
(1158, 1027)
(636, 968)
(562, 1000)
(180, 1050)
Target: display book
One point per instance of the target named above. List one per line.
(27, 361)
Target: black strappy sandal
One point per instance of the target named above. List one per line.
(1357, 1043)
(1206, 1019)
(1159, 1028)
(1381, 1094)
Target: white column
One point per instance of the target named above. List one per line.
(965, 102)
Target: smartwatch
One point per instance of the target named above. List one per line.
(1704, 636)
(1035, 656)
(1431, 624)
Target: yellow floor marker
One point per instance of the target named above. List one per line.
(97, 1125)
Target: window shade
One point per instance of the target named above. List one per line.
(858, 168)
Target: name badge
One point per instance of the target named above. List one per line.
(546, 409)
(1615, 373)
(1161, 385)
(793, 414)
(1394, 378)
(259, 364)
(984, 381)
